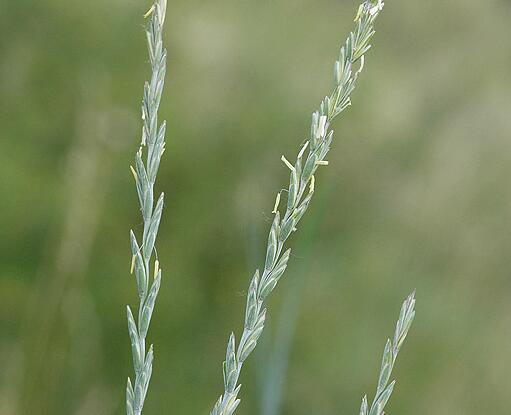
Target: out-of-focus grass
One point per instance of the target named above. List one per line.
(419, 195)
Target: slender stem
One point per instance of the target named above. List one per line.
(153, 141)
(392, 347)
(299, 195)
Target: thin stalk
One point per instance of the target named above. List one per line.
(392, 347)
(274, 358)
(152, 147)
(299, 194)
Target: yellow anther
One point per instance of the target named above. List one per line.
(311, 186)
(134, 173)
(277, 201)
(149, 12)
(156, 268)
(287, 163)
(322, 163)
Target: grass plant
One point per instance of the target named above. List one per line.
(311, 155)
(300, 191)
(392, 347)
(152, 148)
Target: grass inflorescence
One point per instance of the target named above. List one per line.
(147, 273)
(300, 191)
(392, 347)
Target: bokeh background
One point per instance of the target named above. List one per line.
(417, 195)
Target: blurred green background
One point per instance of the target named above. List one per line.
(417, 195)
